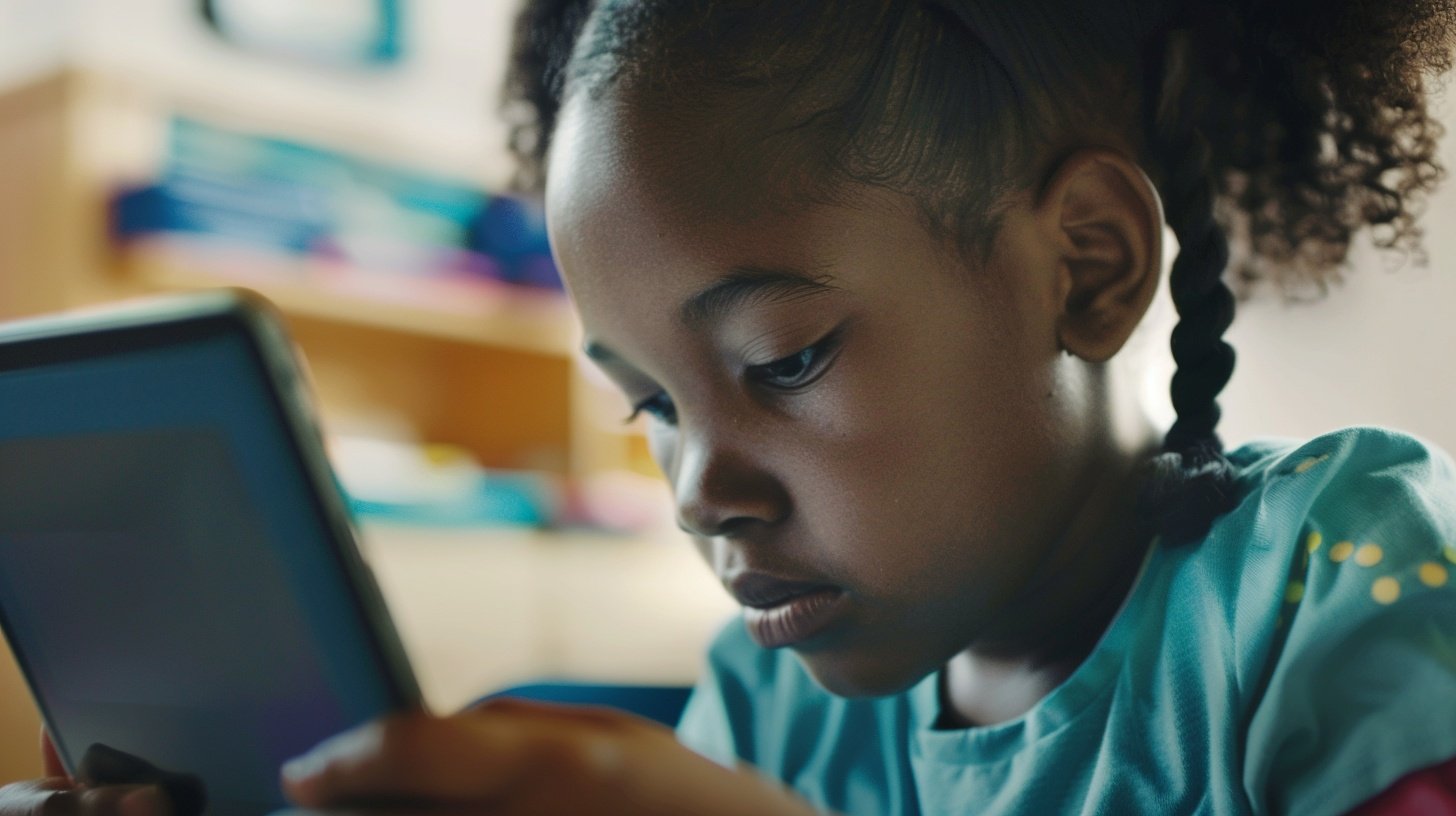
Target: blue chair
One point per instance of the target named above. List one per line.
(663, 704)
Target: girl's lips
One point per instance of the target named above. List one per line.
(794, 619)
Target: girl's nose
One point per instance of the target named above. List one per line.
(722, 491)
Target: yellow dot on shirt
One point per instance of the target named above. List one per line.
(1303, 467)
(1341, 551)
(1314, 541)
(1433, 574)
(1294, 592)
(1369, 555)
(1451, 553)
(1385, 590)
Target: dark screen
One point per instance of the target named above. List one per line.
(164, 575)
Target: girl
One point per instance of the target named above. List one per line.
(872, 269)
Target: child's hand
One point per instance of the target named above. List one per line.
(58, 793)
(59, 796)
(506, 757)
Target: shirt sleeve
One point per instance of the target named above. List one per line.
(1363, 689)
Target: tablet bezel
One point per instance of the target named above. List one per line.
(168, 320)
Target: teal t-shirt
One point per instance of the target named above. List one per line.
(1298, 660)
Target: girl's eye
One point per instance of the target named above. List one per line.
(659, 406)
(796, 370)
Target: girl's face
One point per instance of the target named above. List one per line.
(839, 403)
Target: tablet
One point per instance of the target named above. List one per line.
(179, 579)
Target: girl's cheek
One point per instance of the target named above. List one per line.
(853, 405)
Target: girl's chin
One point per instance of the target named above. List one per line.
(858, 673)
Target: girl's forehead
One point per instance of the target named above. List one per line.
(704, 160)
(630, 188)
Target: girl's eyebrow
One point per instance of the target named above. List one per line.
(743, 285)
(751, 284)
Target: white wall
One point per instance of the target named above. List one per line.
(1380, 349)
(33, 36)
(437, 105)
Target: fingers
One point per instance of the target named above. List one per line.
(58, 794)
(112, 800)
(516, 758)
(471, 759)
(104, 765)
(29, 798)
(55, 796)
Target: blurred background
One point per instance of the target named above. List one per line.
(346, 159)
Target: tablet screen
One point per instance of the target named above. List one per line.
(165, 573)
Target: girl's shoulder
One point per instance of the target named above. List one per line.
(1335, 487)
(1344, 614)
(1339, 458)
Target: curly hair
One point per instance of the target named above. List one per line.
(1274, 130)
(1317, 115)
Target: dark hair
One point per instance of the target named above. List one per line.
(1279, 129)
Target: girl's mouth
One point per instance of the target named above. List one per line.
(782, 613)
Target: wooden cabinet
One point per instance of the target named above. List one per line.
(51, 229)
(19, 724)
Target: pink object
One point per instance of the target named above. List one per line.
(1427, 792)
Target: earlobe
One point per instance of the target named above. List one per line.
(1105, 220)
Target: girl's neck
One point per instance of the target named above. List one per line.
(1063, 611)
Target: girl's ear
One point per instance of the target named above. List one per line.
(1104, 220)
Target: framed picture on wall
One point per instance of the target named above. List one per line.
(360, 33)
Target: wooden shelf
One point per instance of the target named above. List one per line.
(476, 312)
(339, 112)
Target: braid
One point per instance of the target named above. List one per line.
(1191, 482)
